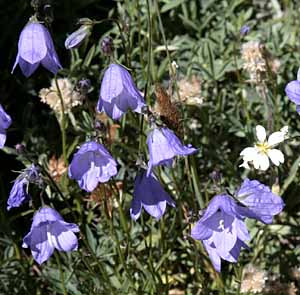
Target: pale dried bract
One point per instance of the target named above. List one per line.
(71, 97)
(253, 280)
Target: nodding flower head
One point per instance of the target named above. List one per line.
(149, 193)
(222, 230)
(36, 47)
(92, 164)
(118, 93)
(163, 146)
(48, 232)
(5, 122)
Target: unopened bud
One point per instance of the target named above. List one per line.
(107, 45)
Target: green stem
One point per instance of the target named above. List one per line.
(62, 277)
(62, 122)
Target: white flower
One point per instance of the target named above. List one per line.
(263, 149)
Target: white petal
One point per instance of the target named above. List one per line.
(276, 138)
(261, 162)
(260, 133)
(276, 156)
(285, 129)
(248, 153)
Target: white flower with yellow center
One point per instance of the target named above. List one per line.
(263, 149)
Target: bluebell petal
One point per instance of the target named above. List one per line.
(92, 164)
(45, 215)
(201, 232)
(118, 93)
(32, 43)
(112, 84)
(27, 68)
(77, 37)
(261, 203)
(225, 240)
(5, 119)
(2, 138)
(213, 255)
(135, 208)
(163, 146)
(149, 192)
(18, 194)
(292, 91)
(50, 64)
(62, 238)
(89, 180)
(157, 210)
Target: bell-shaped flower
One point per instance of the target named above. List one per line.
(77, 37)
(149, 193)
(118, 93)
(222, 230)
(5, 122)
(260, 202)
(163, 146)
(92, 164)
(36, 47)
(292, 91)
(18, 194)
(48, 232)
(263, 149)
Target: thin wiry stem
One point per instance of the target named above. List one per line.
(62, 122)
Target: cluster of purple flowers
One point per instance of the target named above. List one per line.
(221, 229)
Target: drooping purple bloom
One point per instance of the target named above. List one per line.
(244, 30)
(163, 146)
(92, 164)
(77, 37)
(36, 47)
(19, 192)
(48, 232)
(222, 230)
(260, 202)
(149, 193)
(118, 93)
(292, 91)
(5, 122)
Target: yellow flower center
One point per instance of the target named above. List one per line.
(262, 147)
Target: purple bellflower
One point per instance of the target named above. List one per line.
(36, 47)
(163, 146)
(118, 93)
(260, 202)
(292, 91)
(19, 192)
(244, 30)
(92, 164)
(48, 232)
(5, 122)
(149, 193)
(77, 37)
(222, 230)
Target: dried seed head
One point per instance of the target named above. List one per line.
(57, 168)
(71, 97)
(167, 110)
(253, 279)
(253, 60)
(190, 90)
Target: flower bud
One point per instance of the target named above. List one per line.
(107, 46)
(77, 37)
